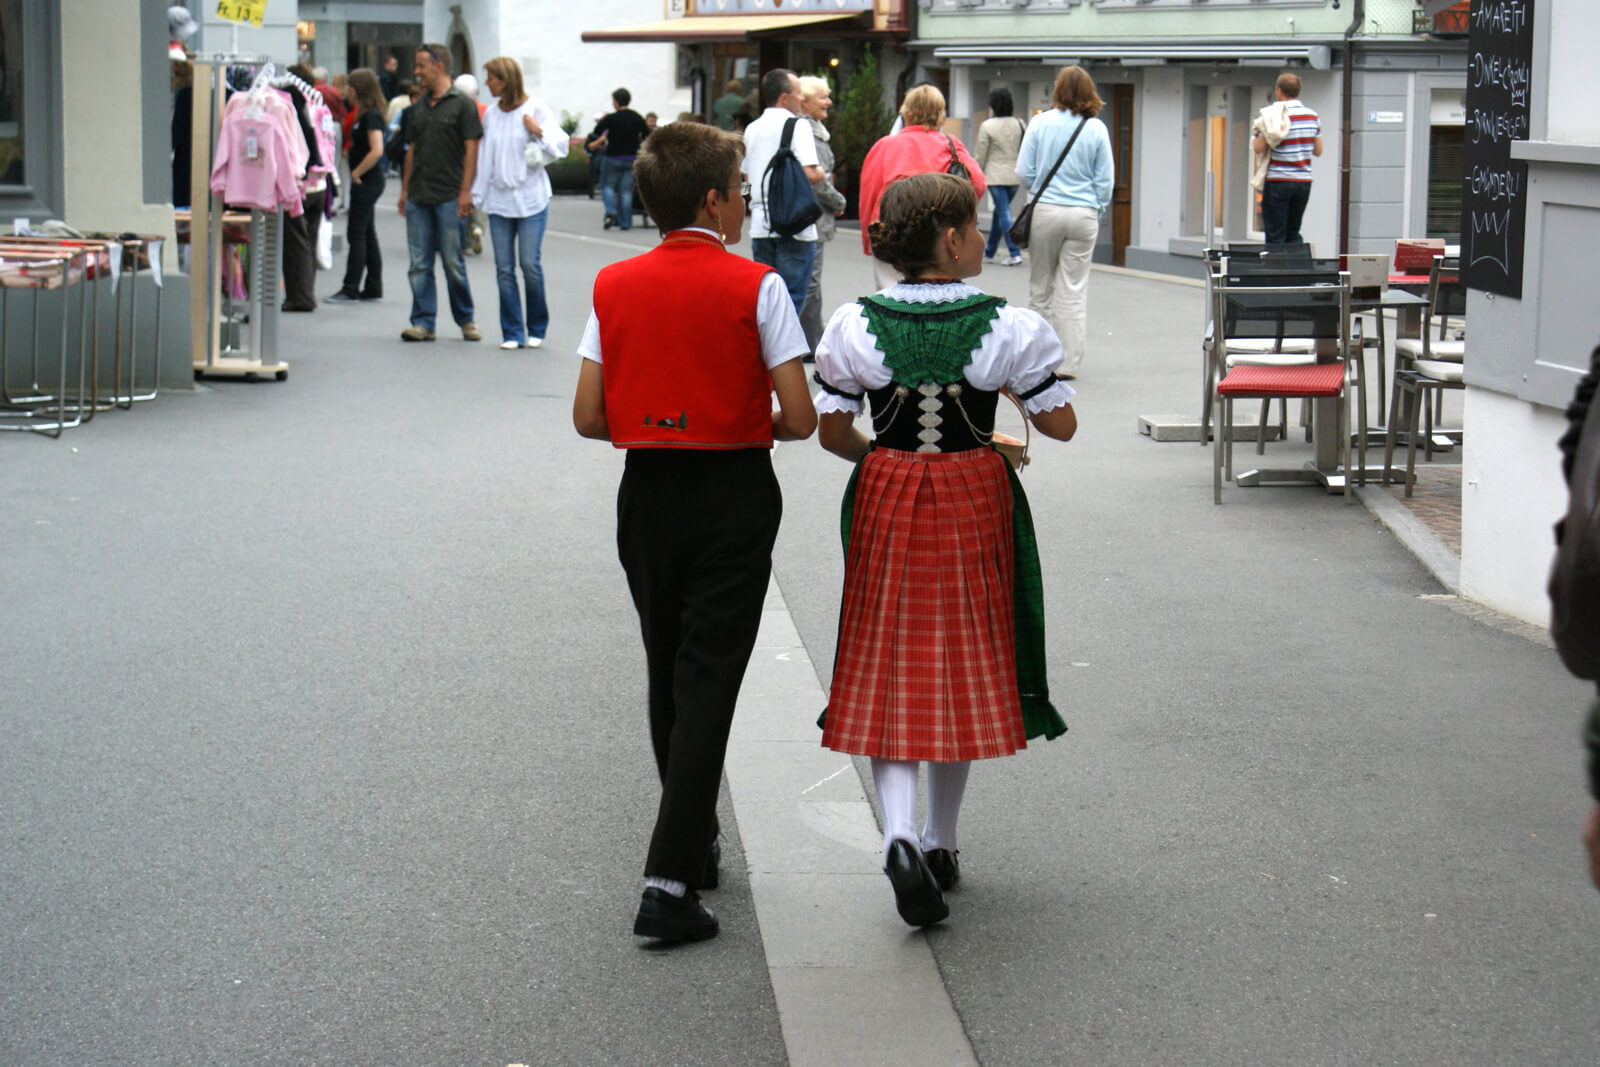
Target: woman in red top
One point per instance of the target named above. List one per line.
(921, 147)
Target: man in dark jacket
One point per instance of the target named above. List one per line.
(618, 135)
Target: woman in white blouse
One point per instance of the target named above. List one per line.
(520, 136)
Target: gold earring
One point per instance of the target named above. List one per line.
(718, 218)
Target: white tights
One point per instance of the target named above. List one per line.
(897, 797)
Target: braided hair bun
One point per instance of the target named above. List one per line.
(913, 212)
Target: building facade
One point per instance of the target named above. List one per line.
(1182, 80)
(1526, 353)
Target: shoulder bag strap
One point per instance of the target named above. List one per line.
(1062, 157)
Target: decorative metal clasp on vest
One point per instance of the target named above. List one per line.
(669, 423)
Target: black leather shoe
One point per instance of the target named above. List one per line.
(669, 918)
(916, 891)
(945, 867)
(608, 222)
(712, 875)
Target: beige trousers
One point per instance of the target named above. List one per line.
(1059, 246)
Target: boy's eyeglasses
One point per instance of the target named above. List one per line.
(744, 191)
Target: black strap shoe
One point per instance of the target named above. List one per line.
(669, 918)
(916, 891)
(944, 865)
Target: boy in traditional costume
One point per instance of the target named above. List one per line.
(681, 355)
(941, 628)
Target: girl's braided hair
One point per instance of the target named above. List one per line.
(913, 212)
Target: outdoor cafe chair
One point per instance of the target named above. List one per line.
(1424, 366)
(1315, 305)
(1271, 351)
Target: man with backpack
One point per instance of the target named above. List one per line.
(790, 255)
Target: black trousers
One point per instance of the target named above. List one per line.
(300, 254)
(1283, 205)
(361, 234)
(695, 530)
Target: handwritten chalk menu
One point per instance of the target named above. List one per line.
(1494, 194)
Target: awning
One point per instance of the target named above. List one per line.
(706, 29)
(1315, 56)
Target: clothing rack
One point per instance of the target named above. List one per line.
(242, 353)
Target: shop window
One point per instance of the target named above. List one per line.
(29, 150)
(1445, 175)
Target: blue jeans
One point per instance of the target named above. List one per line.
(1000, 226)
(430, 229)
(616, 188)
(791, 258)
(507, 234)
(1283, 205)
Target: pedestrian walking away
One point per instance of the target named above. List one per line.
(815, 100)
(436, 193)
(920, 147)
(682, 352)
(1066, 214)
(617, 137)
(521, 136)
(941, 626)
(792, 256)
(363, 273)
(1287, 188)
(998, 144)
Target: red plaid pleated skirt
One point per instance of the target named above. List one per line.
(926, 667)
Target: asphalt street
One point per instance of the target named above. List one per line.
(324, 731)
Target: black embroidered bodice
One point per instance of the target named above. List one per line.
(933, 418)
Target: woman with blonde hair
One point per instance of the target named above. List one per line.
(920, 147)
(521, 136)
(815, 100)
(941, 624)
(1066, 215)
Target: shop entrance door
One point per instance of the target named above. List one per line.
(1122, 162)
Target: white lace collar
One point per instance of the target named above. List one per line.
(923, 293)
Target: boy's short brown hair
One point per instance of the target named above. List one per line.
(678, 163)
(1289, 85)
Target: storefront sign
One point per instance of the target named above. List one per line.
(775, 7)
(1494, 193)
(251, 11)
(1385, 116)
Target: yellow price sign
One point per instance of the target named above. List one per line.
(251, 11)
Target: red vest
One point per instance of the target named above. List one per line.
(680, 348)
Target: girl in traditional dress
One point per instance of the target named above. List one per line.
(941, 629)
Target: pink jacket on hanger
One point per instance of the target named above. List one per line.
(256, 154)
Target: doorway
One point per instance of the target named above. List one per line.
(1122, 164)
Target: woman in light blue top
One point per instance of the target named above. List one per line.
(1066, 220)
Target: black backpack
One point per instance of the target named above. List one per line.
(785, 189)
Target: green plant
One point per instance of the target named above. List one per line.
(861, 118)
(570, 121)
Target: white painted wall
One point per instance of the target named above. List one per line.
(1574, 43)
(546, 39)
(100, 127)
(1158, 158)
(1511, 495)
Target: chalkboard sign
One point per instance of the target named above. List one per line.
(1494, 194)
